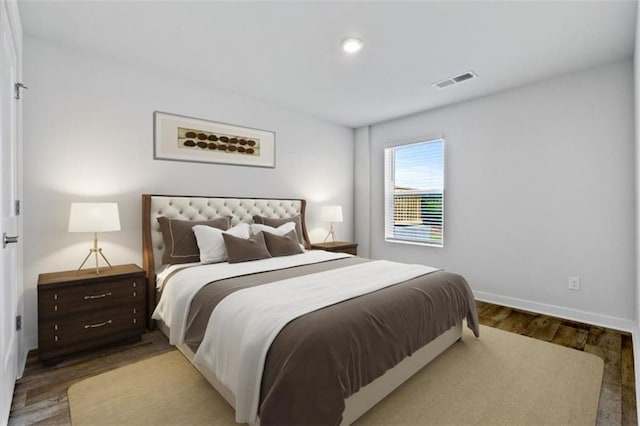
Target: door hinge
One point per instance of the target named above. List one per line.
(18, 322)
(18, 208)
(19, 86)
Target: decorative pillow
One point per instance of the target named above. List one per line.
(277, 222)
(211, 242)
(280, 230)
(242, 250)
(180, 244)
(282, 245)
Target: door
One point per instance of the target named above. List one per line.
(8, 218)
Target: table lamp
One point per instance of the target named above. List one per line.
(94, 217)
(331, 214)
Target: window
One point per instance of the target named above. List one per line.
(414, 193)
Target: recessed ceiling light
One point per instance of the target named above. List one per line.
(352, 44)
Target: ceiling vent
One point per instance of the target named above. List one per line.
(448, 82)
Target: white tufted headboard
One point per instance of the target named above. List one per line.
(204, 208)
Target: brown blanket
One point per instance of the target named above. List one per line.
(322, 358)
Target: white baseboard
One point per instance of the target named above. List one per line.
(607, 321)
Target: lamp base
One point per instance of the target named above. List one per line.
(95, 250)
(331, 233)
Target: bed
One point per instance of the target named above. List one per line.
(327, 365)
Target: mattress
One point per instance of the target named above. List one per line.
(320, 359)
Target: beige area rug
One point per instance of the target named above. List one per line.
(499, 379)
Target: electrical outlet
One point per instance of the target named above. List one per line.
(574, 283)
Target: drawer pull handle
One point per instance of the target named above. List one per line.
(100, 324)
(97, 296)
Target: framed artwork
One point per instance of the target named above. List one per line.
(180, 138)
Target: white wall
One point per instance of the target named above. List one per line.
(89, 136)
(539, 187)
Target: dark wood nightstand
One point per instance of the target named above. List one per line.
(85, 310)
(338, 246)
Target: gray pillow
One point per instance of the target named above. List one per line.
(284, 245)
(277, 222)
(242, 250)
(180, 245)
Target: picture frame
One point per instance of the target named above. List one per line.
(182, 138)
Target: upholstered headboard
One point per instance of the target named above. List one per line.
(204, 208)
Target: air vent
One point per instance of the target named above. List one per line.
(444, 83)
(447, 82)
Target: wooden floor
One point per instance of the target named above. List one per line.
(617, 396)
(40, 396)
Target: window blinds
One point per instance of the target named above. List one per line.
(414, 193)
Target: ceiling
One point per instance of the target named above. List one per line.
(288, 53)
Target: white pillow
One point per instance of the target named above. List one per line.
(211, 243)
(281, 230)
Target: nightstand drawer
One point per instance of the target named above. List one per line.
(63, 332)
(68, 300)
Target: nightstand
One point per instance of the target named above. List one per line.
(78, 311)
(338, 246)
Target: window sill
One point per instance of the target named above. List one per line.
(413, 243)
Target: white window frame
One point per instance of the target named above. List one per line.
(389, 203)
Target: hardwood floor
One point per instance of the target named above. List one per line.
(617, 396)
(40, 396)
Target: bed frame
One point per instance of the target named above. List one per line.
(243, 210)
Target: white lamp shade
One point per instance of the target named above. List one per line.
(331, 213)
(94, 217)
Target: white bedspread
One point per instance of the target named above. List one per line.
(181, 288)
(245, 323)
